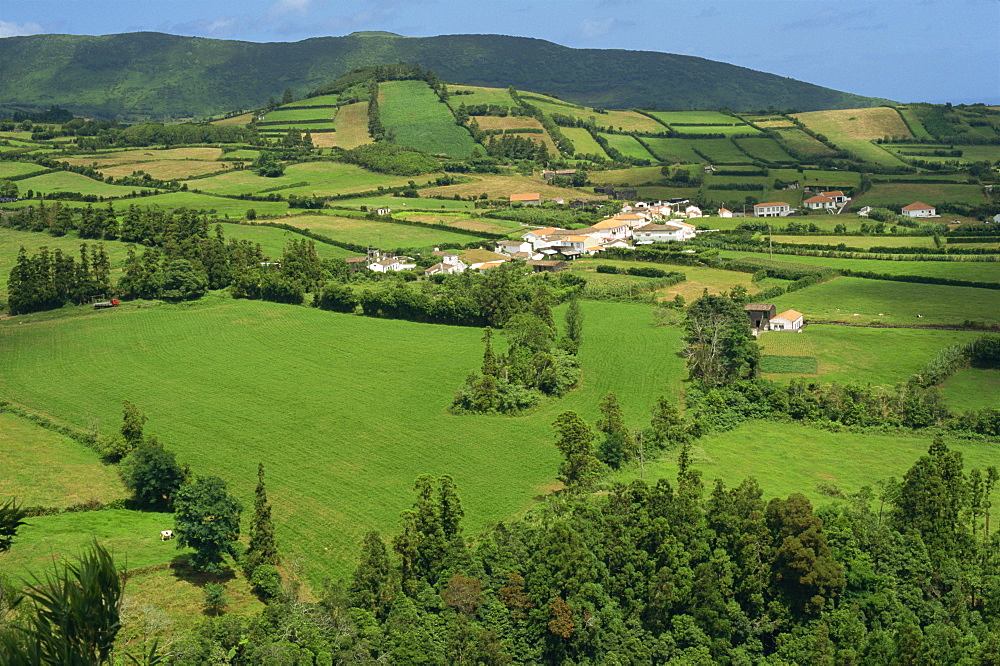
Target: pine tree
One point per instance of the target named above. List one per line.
(132, 422)
(576, 443)
(263, 546)
(619, 445)
(490, 365)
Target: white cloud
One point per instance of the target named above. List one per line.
(289, 7)
(591, 28)
(19, 30)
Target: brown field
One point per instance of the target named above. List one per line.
(167, 169)
(242, 119)
(863, 124)
(503, 186)
(507, 123)
(772, 124)
(352, 128)
(146, 155)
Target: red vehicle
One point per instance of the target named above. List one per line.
(100, 305)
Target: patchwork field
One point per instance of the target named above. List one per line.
(145, 155)
(352, 128)
(818, 463)
(293, 115)
(913, 122)
(319, 100)
(853, 130)
(503, 187)
(860, 241)
(852, 354)
(384, 235)
(696, 117)
(627, 121)
(728, 130)
(802, 143)
(315, 178)
(221, 205)
(461, 221)
(583, 141)
(673, 150)
(272, 241)
(764, 148)
(969, 153)
(635, 176)
(43, 468)
(416, 117)
(479, 95)
(256, 382)
(166, 169)
(972, 388)
(719, 151)
(891, 194)
(628, 146)
(66, 181)
(507, 123)
(241, 119)
(878, 301)
(402, 203)
(9, 169)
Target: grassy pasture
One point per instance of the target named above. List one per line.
(634, 176)
(398, 203)
(772, 123)
(145, 155)
(972, 388)
(463, 221)
(790, 458)
(307, 392)
(969, 153)
(699, 278)
(853, 130)
(582, 141)
(352, 128)
(293, 115)
(860, 241)
(8, 169)
(700, 117)
(628, 121)
(417, 117)
(628, 146)
(222, 205)
(320, 178)
(783, 365)
(274, 131)
(272, 241)
(674, 150)
(800, 142)
(480, 95)
(764, 148)
(43, 468)
(720, 151)
(913, 121)
(66, 181)
(244, 154)
(819, 177)
(728, 130)
(380, 234)
(241, 119)
(166, 169)
(877, 356)
(507, 123)
(899, 302)
(977, 271)
(497, 186)
(883, 194)
(320, 100)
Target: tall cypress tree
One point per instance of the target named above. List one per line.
(263, 546)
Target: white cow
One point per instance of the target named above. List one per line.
(166, 534)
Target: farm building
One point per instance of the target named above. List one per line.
(724, 212)
(528, 199)
(772, 209)
(837, 195)
(513, 247)
(820, 202)
(919, 209)
(446, 268)
(611, 228)
(789, 320)
(656, 233)
(760, 314)
(548, 266)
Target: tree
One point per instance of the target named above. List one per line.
(286, 97)
(618, 445)
(720, 346)
(263, 547)
(152, 474)
(574, 327)
(667, 425)
(371, 585)
(12, 517)
(133, 421)
(215, 598)
(182, 282)
(207, 519)
(8, 189)
(575, 440)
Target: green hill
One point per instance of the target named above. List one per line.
(158, 76)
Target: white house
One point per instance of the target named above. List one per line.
(837, 195)
(919, 209)
(772, 209)
(513, 247)
(386, 265)
(725, 212)
(789, 320)
(446, 268)
(864, 211)
(692, 211)
(535, 236)
(608, 229)
(819, 202)
(657, 233)
(528, 199)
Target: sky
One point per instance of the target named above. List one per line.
(904, 50)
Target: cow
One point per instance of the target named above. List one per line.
(166, 534)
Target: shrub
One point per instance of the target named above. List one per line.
(266, 581)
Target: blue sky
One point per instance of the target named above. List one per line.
(906, 50)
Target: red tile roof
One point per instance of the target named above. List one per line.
(919, 205)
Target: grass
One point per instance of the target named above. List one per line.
(318, 178)
(969, 153)
(480, 95)
(222, 205)
(352, 127)
(507, 123)
(133, 536)
(975, 271)
(628, 146)
(816, 178)
(790, 458)
(673, 150)
(415, 116)
(772, 364)
(344, 411)
(719, 151)
(887, 194)
(628, 121)
(764, 148)
(272, 241)
(276, 131)
(971, 388)
(43, 468)
(913, 121)
(144, 155)
(320, 100)
(503, 186)
(802, 143)
(634, 176)
(860, 241)
(853, 130)
(8, 169)
(241, 119)
(700, 117)
(728, 130)
(167, 169)
(461, 221)
(583, 141)
(380, 234)
(292, 115)
(877, 356)
(398, 203)
(66, 181)
(898, 303)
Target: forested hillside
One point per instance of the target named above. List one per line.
(154, 75)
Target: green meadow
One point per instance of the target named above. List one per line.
(789, 457)
(479, 95)
(719, 151)
(10, 169)
(403, 203)
(628, 146)
(673, 150)
(272, 241)
(66, 181)
(764, 148)
(292, 115)
(583, 141)
(699, 117)
(319, 100)
(804, 144)
(222, 205)
(728, 130)
(417, 118)
(319, 178)
(864, 242)
(972, 388)
(344, 411)
(892, 194)
(385, 235)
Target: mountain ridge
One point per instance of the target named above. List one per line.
(153, 75)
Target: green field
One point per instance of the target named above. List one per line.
(853, 354)
(719, 151)
(582, 141)
(402, 203)
(728, 130)
(913, 122)
(627, 121)
(790, 458)
(272, 241)
(783, 365)
(292, 115)
(417, 118)
(972, 388)
(628, 146)
(860, 241)
(43, 468)
(319, 178)
(854, 129)
(633, 176)
(800, 142)
(764, 148)
(8, 169)
(344, 411)
(480, 95)
(320, 100)
(969, 153)
(975, 271)
(223, 206)
(66, 181)
(674, 150)
(819, 178)
(890, 194)
(688, 117)
(379, 234)
(897, 302)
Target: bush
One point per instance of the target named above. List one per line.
(266, 582)
(337, 298)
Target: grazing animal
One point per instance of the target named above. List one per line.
(920, 315)
(166, 534)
